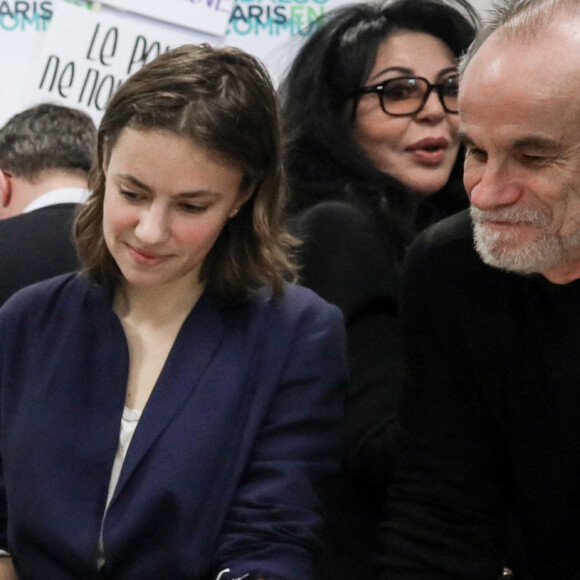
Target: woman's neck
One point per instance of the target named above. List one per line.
(156, 306)
(151, 319)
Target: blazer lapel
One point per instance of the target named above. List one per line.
(195, 345)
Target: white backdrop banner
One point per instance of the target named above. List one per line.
(82, 65)
(274, 29)
(211, 16)
(23, 27)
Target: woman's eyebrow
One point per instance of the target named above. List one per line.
(410, 72)
(202, 192)
(399, 69)
(133, 181)
(445, 71)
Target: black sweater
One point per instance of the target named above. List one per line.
(489, 421)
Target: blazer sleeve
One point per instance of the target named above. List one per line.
(273, 524)
(445, 509)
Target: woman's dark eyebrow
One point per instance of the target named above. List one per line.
(400, 69)
(409, 72)
(134, 181)
(144, 187)
(445, 71)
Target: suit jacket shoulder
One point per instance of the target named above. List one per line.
(36, 246)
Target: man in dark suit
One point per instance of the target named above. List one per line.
(45, 155)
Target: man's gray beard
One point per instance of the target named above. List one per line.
(502, 250)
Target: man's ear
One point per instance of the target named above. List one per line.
(5, 187)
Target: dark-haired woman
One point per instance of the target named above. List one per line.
(172, 411)
(370, 118)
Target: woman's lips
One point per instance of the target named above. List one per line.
(429, 151)
(146, 258)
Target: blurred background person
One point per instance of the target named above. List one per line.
(173, 410)
(45, 156)
(372, 156)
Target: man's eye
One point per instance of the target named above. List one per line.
(475, 153)
(533, 159)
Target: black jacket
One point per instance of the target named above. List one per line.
(35, 246)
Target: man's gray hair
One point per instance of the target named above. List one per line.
(517, 18)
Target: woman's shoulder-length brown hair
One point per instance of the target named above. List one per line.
(222, 99)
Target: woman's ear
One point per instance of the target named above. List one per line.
(243, 196)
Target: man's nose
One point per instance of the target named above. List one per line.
(493, 188)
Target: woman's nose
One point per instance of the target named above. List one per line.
(433, 108)
(153, 226)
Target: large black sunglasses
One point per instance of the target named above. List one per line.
(403, 96)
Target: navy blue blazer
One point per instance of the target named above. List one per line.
(227, 467)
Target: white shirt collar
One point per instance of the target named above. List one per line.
(64, 195)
